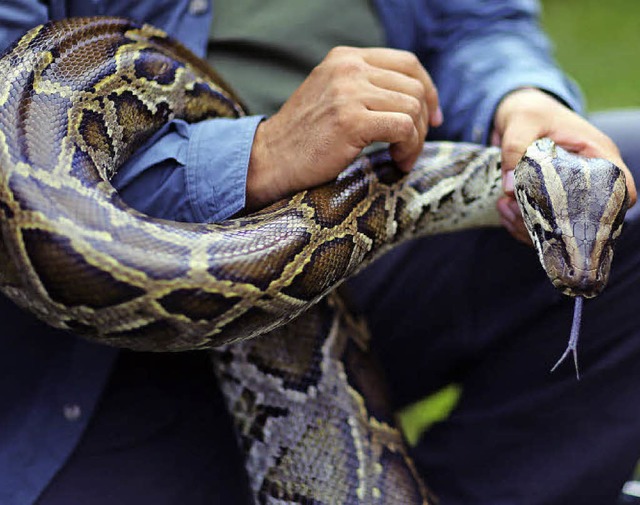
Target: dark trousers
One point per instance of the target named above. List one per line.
(160, 436)
(473, 309)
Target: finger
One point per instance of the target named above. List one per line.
(516, 138)
(399, 130)
(406, 153)
(384, 100)
(511, 219)
(515, 141)
(384, 126)
(401, 83)
(508, 183)
(516, 233)
(505, 210)
(407, 63)
(405, 162)
(397, 81)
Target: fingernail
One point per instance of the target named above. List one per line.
(508, 182)
(407, 165)
(438, 117)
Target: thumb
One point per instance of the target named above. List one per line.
(516, 138)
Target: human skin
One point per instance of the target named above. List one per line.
(357, 96)
(354, 97)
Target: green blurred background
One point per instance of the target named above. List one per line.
(598, 43)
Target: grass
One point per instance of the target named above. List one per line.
(416, 418)
(598, 44)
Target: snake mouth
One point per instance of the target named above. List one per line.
(577, 282)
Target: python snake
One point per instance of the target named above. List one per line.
(79, 96)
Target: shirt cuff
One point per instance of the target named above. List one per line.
(190, 172)
(216, 168)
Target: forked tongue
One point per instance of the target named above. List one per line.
(573, 338)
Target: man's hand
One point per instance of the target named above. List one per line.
(526, 115)
(352, 98)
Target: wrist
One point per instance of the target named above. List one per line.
(262, 186)
(258, 172)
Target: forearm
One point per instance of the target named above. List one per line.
(191, 172)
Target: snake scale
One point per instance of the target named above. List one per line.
(79, 96)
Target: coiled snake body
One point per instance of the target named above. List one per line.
(78, 96)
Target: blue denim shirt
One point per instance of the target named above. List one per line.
(475, 51)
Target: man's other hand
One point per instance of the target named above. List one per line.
(528, 114)
(354, 97)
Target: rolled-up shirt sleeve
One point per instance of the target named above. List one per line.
(191, 172)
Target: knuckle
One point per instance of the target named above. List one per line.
(409, 58)
(414, 107)
(602, 144)
(405, 127)
(609, 144)
(349, 66)
(339, 51)
(514, 146)
(344, 60)
(336, 89)
(418, 89)
(340, 93)
(344, 118)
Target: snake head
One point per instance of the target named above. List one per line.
(573, 208)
